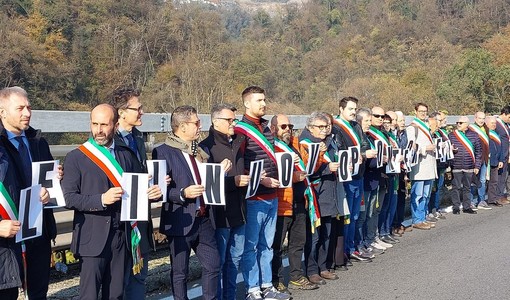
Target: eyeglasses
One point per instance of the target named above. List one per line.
(422, 111)
(138, 109)
(377, 116)
(230, 120)
(459, 123)
(322, 127)
(284, 126)
(197, 123)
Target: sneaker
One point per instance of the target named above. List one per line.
(386, 239)
(374, 250)
(377, 246)
(483, 205)
(271, 293)
(356, 256)
(256, 295)
(280, 286)
(302, 284)
(393, 238)
(438, 215)
(381, 243)
(430, 219)
(366, 254)
(473, 207)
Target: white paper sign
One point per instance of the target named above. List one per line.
(344, 158)
(439, 148)
(380, 152)
(450, 150)
(355, 155)
(30, 214)
(45, 173)
(157, 169)
(255, 173)
(313, 156)
(285, 162)
(213, 180)
(394, 159)
(135, 201)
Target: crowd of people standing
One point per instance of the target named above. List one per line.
(330, 221)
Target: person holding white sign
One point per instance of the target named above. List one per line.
(130, 111)
(25, 145)
(224, 146)
(424, 172)
(92, 189)
(185, 219)
(291, 218)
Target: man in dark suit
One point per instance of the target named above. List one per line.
(99, 237)
(185, 219)
(25, 145)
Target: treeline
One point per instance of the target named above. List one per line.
(70, 54)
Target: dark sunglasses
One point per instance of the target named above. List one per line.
(230, 120)
(378, 116)
(458, 123)
(284, 126)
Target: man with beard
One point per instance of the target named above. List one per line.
(91, 188)
(24, 145)
(291, 218)
(185, 219)
(225, 147)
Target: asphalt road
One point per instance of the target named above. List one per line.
(464, 257)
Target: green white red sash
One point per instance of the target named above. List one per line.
(376, 134)
(504, 125)
(494, 136)
(392, 139)
(481, 133)
(347, 128)
(444, 134)
(257, 137)
(311, 197)
(423, 128)
(102, 157)
(8, 211)
(466, 143)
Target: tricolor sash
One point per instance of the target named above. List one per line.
(423, 128)
(257, 137)
(311, 197)
(393, 139)
(376, 134)
(102, 157)
(481, 133)
(505, 127)
(466, 143)
(347, 128)
(494, 136)
(443, 134)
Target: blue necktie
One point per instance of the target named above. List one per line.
(132, 143)
(25, 159)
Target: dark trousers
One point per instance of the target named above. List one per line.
(317, 246)
(401, 202)
(9, 294)
(201, 239)
(502, 179)
(38, 267)
(492, 188)
(295, 226)
(105, 270)
(336, 250)
(461, 185)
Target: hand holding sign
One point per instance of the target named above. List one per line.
(112, 195)
(9, 228)
(242, 180)
(30, 213)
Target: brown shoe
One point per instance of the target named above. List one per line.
(423, 226)
(504, 201)
(396, 231)
(316, 279)
(328, 275)
(407, 229)
(432, 225)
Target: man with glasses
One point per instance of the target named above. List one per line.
(437, 190)
(225, 147)
(291, 218)
(424, 172)
(482, 131)
(466, 164)
(262, 207)
(185, 219)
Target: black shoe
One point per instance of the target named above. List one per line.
(394, 238)
(456, 211)
(341, 268)
(348, 262)
(356, 256)
(386, 239)
(469, 211)
(497, 204)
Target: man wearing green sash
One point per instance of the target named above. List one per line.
(465, 165)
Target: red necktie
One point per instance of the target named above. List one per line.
(199, 181)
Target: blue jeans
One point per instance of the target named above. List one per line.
(420, 193)
(389, 206)
(435, 197)
(259, 236)
(482, 174)
(353, 192)
(230, 243)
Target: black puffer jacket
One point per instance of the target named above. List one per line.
(218, 147)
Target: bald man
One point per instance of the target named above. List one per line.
(465, 165)
(99, 237)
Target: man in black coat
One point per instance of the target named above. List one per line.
(24, 145)
(99, 237)
(224, 146)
